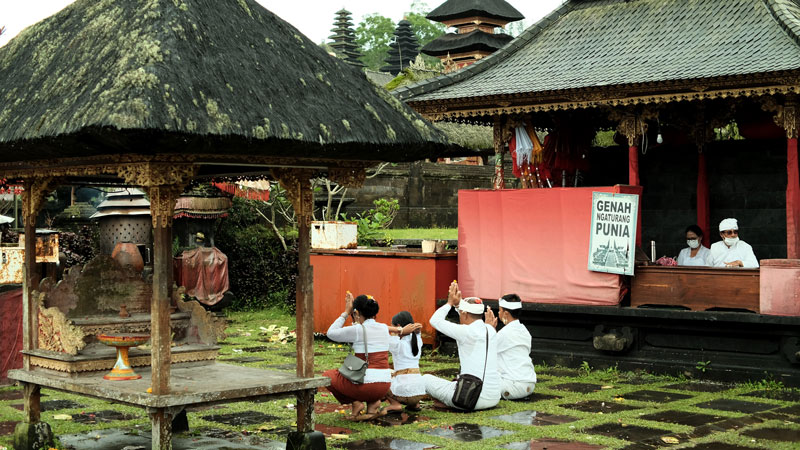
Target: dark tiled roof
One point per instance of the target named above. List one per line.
(457, 43)
(615, 42)
(454, 9)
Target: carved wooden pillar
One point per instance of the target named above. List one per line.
(632, 127)
(499, 175)
(791, 123)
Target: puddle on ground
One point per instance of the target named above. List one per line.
(537, 397)
(467, 432)
(7, 428)
(534, 418)
(628, 432)
(10, 395)
(387, 444)
(683, 418)
(240, 418)
(55, 405)
(597, 406)
(655, 396)
(282, 366)
(101, 417)
(582, 388)
(551, 444)
(726, 404)
(397, 419)
(243, 359)
(774, 434)
(719, 446)
(786, 395)
(699, 387)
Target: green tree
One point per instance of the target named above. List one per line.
(373, 35)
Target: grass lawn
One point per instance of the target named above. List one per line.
(422, 233)
(563, 412)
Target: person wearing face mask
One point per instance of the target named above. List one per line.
(514, 364)
(731, 252)
(696, 254)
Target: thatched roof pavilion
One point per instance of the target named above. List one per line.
(157, 93)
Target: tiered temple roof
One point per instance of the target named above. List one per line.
(404, 49)
(344, 39)
(475, 37)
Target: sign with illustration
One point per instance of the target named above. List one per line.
(612, 245)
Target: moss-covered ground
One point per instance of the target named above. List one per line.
(252, 337)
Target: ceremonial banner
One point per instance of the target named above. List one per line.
(612, 245)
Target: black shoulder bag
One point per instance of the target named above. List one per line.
(468, 387)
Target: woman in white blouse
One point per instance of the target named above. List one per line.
(405, 344)
(696, 253)
(378, 376)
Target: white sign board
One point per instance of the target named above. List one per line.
(612, 246)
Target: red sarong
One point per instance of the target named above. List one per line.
(347, 392)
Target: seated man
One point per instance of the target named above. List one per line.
(514, 364)
(731, 252)
(475, 357)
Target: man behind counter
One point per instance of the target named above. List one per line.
(731, 252)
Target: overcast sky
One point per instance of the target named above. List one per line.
(314, 18)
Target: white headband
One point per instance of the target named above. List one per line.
(472, 308)
(728, 224)
(510, 305)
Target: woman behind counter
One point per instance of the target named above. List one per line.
(696, 254)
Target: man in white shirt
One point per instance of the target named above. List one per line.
(514, 364)
(731, 252)
(474, 354)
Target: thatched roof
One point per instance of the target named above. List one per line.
(193, 77)
(459, 9)
(475, 40)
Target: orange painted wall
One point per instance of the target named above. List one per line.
(398, 281)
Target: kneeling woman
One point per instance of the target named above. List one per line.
(378, 376)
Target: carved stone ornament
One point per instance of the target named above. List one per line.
(56, 332)
(208, 328)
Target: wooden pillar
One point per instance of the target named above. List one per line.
(703, 199)
(162, 205)
(161, 422)
(499, 175)
(791, 125)
(632, 127)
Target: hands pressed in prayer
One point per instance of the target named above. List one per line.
(454, 295)
(348, 303)
(491, 319)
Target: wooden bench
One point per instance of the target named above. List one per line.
(696, 288)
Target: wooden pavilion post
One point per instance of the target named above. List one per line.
(499, 181)
(791, 123)
(633, 127)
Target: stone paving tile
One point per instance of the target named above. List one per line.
(256, 349)
(467, 432)
(727, 404)
(55, 405)
(683, 418)
(636, 381)
(101, 417)
(793, 410)
(699, 387)
(655, 396)
(11, 395)
(774, 434)
(282, 366)
(628, 433)
(538, 397)
(240, 418)
(551, 444)
(725, 425)
(719, 446)
(561, 372)
(18, 406)
(387, 444)
(786, 395)
(534, 418)
(7, 428)
(583, 388)
(243, 359)
(599, 406)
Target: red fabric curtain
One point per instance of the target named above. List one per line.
(703, 204)
(633, 165)
(792, 201)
